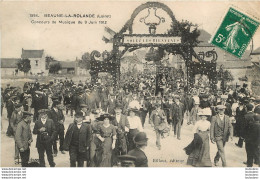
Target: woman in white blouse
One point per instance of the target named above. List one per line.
(135, 127)
(198, 149)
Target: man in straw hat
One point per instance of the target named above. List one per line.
(220, 130)
(141, 142)
(46, 134)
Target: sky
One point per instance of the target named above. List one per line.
(68, 41)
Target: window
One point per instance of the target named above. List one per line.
(36, 62)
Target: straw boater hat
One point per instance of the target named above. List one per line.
(221, 107)
(205, 112)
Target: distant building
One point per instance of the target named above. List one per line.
(9, 67)
(68, 67)
(255, 55)
(37, 61)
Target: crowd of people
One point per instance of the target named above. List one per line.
(108, 125)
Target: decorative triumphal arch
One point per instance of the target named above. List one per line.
(172, 43)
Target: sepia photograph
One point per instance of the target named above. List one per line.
(130, 84)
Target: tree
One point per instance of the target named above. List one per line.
(24, 65)
(48, 60)
(189, 34)
(85, 61)
(54, 68)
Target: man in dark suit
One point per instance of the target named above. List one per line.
(220, 130)
(122, 125)
(46, 133)
(67, 102)
(10, 108)
(38, 103)
(77, 140)
(58, 118)
(141, 142)
(250, 136)
(177, 114)
(157, 118)
(15, 119)
(23, 138)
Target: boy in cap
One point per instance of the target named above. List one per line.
(46, 134)
(23, 137)
(77, 140)
(220, 130)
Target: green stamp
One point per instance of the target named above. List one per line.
(235, 32)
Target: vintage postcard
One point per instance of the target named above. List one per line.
(130, 84)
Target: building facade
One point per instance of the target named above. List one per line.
(37, 61)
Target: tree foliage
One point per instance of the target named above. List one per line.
(54, 68)
(85, 61)
(48, 61)
(24, 65)
(188, 32)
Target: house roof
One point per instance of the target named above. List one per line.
(32, 53)
(67, 64)
(9, 62)
(204, 38)
(235, 64)
(256, 51)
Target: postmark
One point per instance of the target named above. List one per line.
(235, 32)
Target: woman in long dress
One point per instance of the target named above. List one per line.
(198, 149)
(107, 135)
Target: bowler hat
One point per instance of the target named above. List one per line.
(140, 138)
(204, 95)
(26, 114)
(78, 114)
(18, 105)
(119, 106)
(56, 102)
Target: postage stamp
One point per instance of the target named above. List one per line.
(235, 32)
